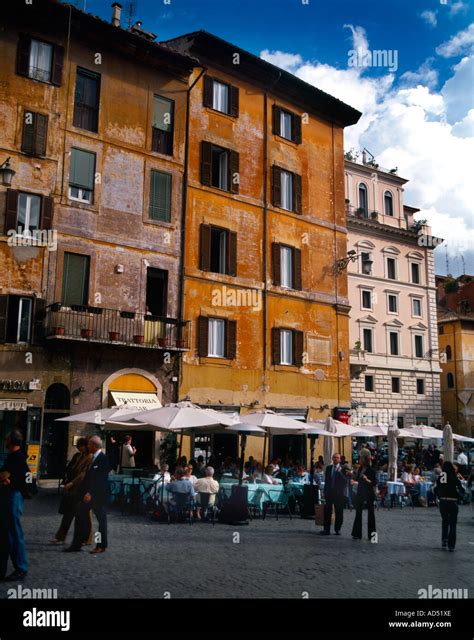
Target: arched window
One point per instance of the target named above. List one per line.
(388, 203)
(363, 202)
(448, 353)
(450, 380)
(57, 398)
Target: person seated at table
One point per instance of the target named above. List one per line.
(409, 480)
(188, 474)
(206, 485)
(164, 474)
(301, 476)
(180, 485)
(435, 473)
(200, 467)
(257, 472)
(267, 476)
(417, 475)
(275, 465)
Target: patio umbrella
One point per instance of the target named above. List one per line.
(424, 432)
(462, 438)
(448, 444)
(341, 429)
(273, 423)
(328, 446)
(100, 416)
(181, 415)
(244, 430)
(393, 434)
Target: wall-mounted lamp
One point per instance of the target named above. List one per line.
(341, 264)
(119, 268)
(6, 173)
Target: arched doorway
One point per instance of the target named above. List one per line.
(55, 434)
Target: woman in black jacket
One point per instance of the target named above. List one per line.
(366, 486)
(448, 490)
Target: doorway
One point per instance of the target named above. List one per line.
(156, 292)
(54, 440)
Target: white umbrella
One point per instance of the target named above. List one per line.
(448, 444)
(424, 432)
(328, 446)
(180, 416)
(393, 434)
(340, 429)
(273, 423)
(100, 416)
(462, 438)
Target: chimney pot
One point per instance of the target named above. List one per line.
(116, 13)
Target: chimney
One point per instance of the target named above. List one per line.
(116, 12)
(364, 157)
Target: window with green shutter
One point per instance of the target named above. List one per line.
(160, 196)
(81, 175)
(75, 279)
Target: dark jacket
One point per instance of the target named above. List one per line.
(96, 480)
(452, 488)
(366, 490)
(15, 464)
(334, 487)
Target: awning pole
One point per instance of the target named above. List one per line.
(243, 443)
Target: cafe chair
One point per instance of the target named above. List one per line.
(180, 508)
(208, 510)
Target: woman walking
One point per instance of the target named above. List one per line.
(366, 485)
(448, 490)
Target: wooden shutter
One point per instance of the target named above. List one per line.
(297, 348)
(57, 67)
(203, 337)
(234, 101)
(276, 263)
(23, 56)
(276, 356)
(41, 134)
(208, 91)
(231, 253)
(230, 339)
(205, 247)
(234, 171)
(296, 128)
(276, 186)
(34, 134)
(296, 267)
(3, 317)
(47, 208)
(297, 193)
(38, 321)
(11, 210)
(206, 163)
(276, 120)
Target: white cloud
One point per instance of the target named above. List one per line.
(458, 7)
(359, 37)
(430, 18)
(462, 42)
(288, 61)
(424, 74)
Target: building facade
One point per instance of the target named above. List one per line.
(393, 330)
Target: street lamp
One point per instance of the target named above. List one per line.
(6, 173)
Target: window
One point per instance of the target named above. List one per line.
(286, 189)
(366, 299)
(395, 385)
(219, 167)
(415, 272)
(448, 352)
(218, 250)
(39, 60)
(416, 307)
(450, 381)
(441, 330)
(162, 126)
(286, 124)
(369, 383)
(366, 264)
(367, 336)
(394, 343)
(81, 176)
(391, 268)
(15, 319)
(217, 338)
(86, 100)
(75, 279)
(286, 263)
(160, 196)
(363, 201)
(26, 212)
(221, 96)
(35, 130)
(388, 203)
(420, 389)
(216, 348)
(392, 303)
(287, 347)
(419, 350)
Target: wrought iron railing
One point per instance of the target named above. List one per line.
(113, 326)
(360, 212)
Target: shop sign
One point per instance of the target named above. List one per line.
(13, 405)
(7, 384)
(33, 458)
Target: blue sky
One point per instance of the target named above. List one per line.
(418, 116)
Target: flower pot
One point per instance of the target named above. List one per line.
(180, 343)
(138, 339)
(86, 333)
(163, 342)
(58, 331)
(114, 336)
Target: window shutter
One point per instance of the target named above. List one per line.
(160, 196)
(11, 210)
(41, 133)
(47, 208)
(276, 359)
(23, 56)
(205, 248)
(232, 253)
(38, 322)
(234, 172)
(296, 259)
(276, 186)
(82, 169)
(296, 128)
(208, 91)
(296, 193)
(276, 263)
(3, 317)
(276, 120)
(57, 67)
(28, 137)
(75, 287)
(203, 337)
(230, 339)
(234, 101)
(206, 163)
(298, 348)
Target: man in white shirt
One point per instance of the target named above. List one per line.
(128, 453)
(207, 485)
(462, 463)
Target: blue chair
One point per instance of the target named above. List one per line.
(180, 506)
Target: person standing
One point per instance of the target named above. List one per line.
(448, 490)
(4, 541)
(366, 485)
(93, 494)
(462, 463)
(17, 487)
(128, 453)
(334, 488)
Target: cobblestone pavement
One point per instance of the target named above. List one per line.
(274, 558)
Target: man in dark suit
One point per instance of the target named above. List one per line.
(94, 494)
(335, 483)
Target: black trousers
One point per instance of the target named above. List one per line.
(338, 503)
(449, 518)
(82, 523)
(359, 505)
(4, 540)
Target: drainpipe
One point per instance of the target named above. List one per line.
(455, 374)
(335, 259)
(265, 235)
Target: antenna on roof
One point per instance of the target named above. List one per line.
(447, 260)
(130, 11)
(463, 265)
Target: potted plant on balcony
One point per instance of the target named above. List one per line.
(138, 339)
(86, 332)
(114, 336)
(374, 215)
(58, 331)
(163, 342)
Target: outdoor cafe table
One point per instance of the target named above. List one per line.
(424, 487)
(258, 494)
(395, 488)
(120, 484)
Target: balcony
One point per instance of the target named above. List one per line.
(115, 327)
(362, 214)
(357, 363)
